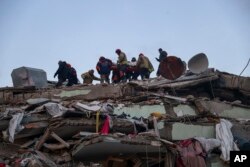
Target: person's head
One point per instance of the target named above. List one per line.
(141, 55)
(91, 71)
(160, 50)
(60, 62)
(102, 59)
(118, 51)
(68, 65)
(133, 59)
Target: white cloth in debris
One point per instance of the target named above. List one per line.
(88, 107)
(107, 108)
(14, 125)
(54, 109)
(224, 134)
(208, 144)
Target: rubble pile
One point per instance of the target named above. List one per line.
(195, 120)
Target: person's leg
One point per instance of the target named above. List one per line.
(147, 73)
(123, 69)
(60, 82)
(107, 78)
(143, 73)
(102, 78)
(158, 71)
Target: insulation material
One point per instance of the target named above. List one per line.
(14, 125)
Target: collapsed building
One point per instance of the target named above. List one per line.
(194, 120)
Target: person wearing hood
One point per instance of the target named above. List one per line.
(61, 73)
(72, 76)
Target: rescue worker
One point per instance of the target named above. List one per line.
(132, 70)
(61, 72)
(89, 76)
(115, 74)
(122, 64)
(163, 55)
(72, 76)
(103, 67)
(145, 66)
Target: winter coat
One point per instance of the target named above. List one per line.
(122, 59)
(62, 71)
(104, 67)
(143, 62)
(88, 78)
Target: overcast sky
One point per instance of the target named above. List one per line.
(39, 33)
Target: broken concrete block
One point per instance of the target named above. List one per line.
(26, 76)
(55, 109)
(37, 101)
(225, 109)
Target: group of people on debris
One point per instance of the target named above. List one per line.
(122, 71)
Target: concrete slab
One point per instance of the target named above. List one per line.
(182, 110)
(180, 131)
(226, 110)
(140, 111)
(110, 147)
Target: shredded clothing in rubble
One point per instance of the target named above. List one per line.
(224, 134)
(191, 154)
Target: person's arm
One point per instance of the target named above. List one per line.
(96, 78)
(83, 75)
(57, 71)
(98, 68)
(151, 67)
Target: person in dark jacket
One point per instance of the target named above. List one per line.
(72, 76)
(163, 55)
(103, 67)
(61, 72)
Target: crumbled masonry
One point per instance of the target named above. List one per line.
(140, 123)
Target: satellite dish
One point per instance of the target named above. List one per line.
(172, 67)
(198, 63)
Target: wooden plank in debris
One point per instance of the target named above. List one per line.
(43, 139)
(28, 143)
(170, 97)
(55, 136)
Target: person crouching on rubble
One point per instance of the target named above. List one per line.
(61, 72)
(72, 76)
(89, 76)
(103, 67)
(145, 66)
